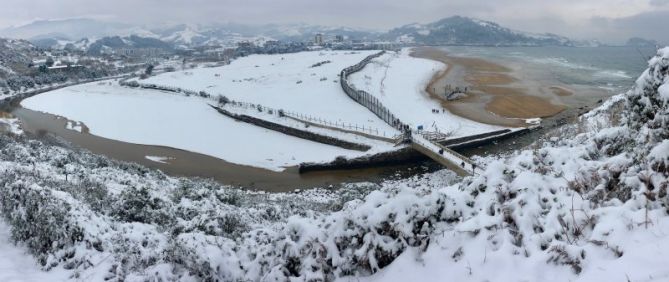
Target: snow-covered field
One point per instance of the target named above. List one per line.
(398, 81)
(304, 83)
(285, 81)
(158, 118)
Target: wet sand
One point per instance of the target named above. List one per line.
(494, 94)
(561, 91)
(185, 163)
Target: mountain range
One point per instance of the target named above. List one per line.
(456, 30)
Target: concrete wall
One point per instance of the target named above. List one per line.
(295, 132)
(398, 157)
(408, 154)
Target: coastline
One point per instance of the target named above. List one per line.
(494, 94)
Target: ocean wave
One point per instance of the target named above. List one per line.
(561, 62)
(597, 72)
(612, 73)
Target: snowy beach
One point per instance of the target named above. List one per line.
(494, 94)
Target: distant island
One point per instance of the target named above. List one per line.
(641, 42)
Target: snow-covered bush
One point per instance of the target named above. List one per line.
(121, 219)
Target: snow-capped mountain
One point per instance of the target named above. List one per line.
(231, 33)
(458, 30)
(15, 55)
(71, 29)
(305, 32)
(135, 41)
(451, 31)
(181, 35)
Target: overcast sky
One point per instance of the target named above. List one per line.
(607, 20)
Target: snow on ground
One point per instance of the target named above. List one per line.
(158, 118)
(16, 265)
(588, 205)
(640, 261)
(284, 81)
(74, 125)
(10, 125)
(398, 81)
(158, 159)
(377, 145)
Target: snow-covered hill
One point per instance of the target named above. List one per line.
(453, 30)
(57, 33)
(134, 41)
(71, 29)
(588, 203)
(15, 56)
(458, 30)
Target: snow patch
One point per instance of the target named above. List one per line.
(74, 125)
(11, 125)
(159, 159)
(664, 93)
(16, 264)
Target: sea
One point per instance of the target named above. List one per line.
(611, 68)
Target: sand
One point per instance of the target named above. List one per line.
(561, 91)
(494, 96)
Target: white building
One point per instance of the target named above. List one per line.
(318, 39)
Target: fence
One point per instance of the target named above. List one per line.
(305, 118)
(163, 88)
(367, 100)
(372, 132)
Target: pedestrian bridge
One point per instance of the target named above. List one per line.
(458, 163)
(425, 143)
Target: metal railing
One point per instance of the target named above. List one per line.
(367, 100)
(351, 127)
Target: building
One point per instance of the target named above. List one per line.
(245, 45)
(139, 52)
(318, 39)
(339, 38)
(65, 68)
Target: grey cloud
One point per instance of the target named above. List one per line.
(649, 25)
(659, 3)
(566, 17)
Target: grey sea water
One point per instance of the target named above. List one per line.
(611, 68)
